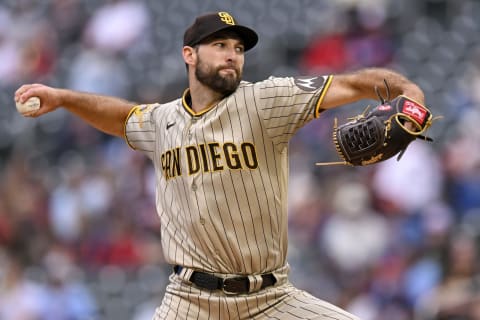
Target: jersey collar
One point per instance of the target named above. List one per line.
(187, 102)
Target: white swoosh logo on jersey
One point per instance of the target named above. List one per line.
(309, 83)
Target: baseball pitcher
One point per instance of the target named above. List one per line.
(220, 153)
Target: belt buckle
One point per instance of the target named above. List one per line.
(224, 286)
(225, 290)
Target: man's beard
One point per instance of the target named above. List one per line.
(211, 78)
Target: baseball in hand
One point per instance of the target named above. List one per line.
(30, 106)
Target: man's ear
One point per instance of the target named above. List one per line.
(189, 55)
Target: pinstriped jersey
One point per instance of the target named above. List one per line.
(222, 174)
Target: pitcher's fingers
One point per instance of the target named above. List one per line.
(25, 92)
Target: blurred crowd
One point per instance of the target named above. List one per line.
(79, 235)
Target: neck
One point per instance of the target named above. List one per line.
(203, 97)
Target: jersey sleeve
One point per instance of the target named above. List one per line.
(140, 128)
(287, 104)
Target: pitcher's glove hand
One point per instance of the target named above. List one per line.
(383, 132)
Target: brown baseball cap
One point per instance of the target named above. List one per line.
(208, 24)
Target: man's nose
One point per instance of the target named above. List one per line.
(231, 54)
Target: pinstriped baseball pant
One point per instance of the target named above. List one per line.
(282, 301)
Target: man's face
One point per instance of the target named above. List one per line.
(220, 63)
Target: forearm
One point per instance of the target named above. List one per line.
(351, 87)
(105, 113)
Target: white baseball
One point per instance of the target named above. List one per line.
(31, 105)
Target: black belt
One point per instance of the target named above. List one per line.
(233, 285)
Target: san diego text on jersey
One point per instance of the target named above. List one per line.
(208, 157)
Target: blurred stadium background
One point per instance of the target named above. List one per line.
(79, 236)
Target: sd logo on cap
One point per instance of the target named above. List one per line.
(210, 23)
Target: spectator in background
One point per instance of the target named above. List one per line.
(391, 181)
(461, 164)
(107, 30)
(361, 40)
(354, 235)
(39, 53)
(67, 295)
(327, 52)
(68, 16)
(354, 238)
(9, 51)
(98, 67)
(458, 294)
(20, 298)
